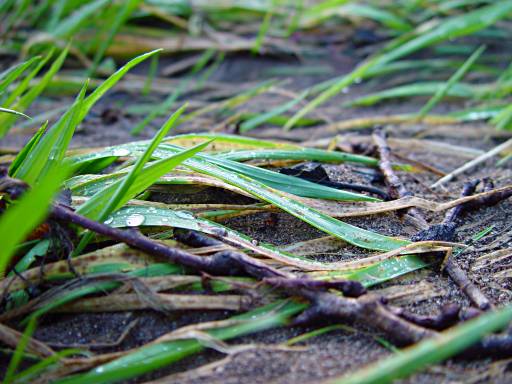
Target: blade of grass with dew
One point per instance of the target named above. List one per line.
(303, 154)
(147, 177)
(289, 184)
(457, 76)
(430, 351)
(21, 218)
(154, 356)
(151, 216)
(354, 235)
(120, 194)
(347, 232)
(282, 182)
(453, 27)
(162, 217)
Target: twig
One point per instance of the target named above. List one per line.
(471, 164)
(443, 232)
(395, 185)
(367, 309)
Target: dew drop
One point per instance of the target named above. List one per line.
(134, 220)
(109, 220)
(183, 215)
(120, 152)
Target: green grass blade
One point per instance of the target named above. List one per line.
(13, 112)
(119, 18)
(27, 148)
(10, 75)
(69, 25)
(456, 26)
(146, 178)
(121, 194)
(155, 356)
(457, 76)
(27, 99)
(112, 80)
(303, 154)
(430, 351)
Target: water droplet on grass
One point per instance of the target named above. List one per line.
(109, 220)
(134, 220)
(121, 152)
(183, 215)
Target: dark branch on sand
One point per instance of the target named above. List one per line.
(443, 232)
(396, 188)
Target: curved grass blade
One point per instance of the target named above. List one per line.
(354, 235)
(410, 90)
(13, 112)
(273, 179)
(458, 75)
(147, 177)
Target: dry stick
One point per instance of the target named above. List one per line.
(471, 164)
(395, 185)
(456, 273)
(368, 309)
(444, 231)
